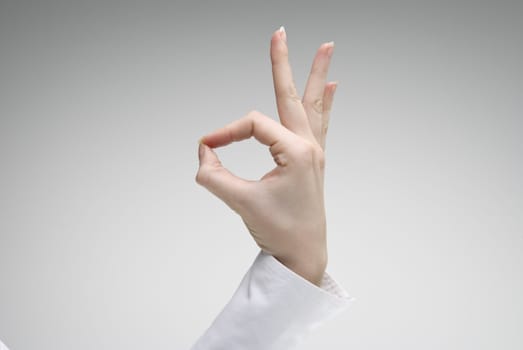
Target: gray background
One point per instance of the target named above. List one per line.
(106, 241)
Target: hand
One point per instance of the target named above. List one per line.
(284, 211)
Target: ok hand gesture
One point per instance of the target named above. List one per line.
(284, 211)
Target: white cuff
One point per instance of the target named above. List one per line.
(273, 308)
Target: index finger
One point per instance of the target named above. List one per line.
(263, 128)
(290, 109)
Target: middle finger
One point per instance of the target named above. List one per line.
(290, 109)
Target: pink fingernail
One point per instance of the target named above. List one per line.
(283, 34)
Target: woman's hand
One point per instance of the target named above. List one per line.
(284, 211)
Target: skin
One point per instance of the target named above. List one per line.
(284, 211)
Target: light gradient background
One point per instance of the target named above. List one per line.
(107, 242)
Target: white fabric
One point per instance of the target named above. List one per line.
(2, 346)
(272, 309)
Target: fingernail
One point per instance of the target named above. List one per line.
(330, 48)
(283, 34)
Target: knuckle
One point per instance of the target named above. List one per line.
(319, 70)
(255, 115)
(205, 174)
(316, 105)
(325, 128)
(309, 154)
(293, 94)
(201, 177)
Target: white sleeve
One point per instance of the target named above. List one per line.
(2, 346)
(273, 308)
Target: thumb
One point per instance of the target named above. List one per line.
(220, 181)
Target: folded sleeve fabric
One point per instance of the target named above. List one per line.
(273, 309)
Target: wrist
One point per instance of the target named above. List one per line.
(310, 267)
